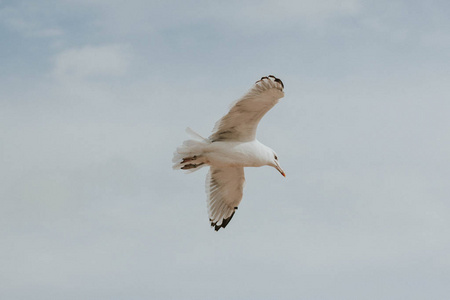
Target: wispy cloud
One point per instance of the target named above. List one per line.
(278, 11)
(28, 24)
(92, 61)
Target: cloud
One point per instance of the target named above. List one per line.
(26, 22)
(272, 11)
(151, 17)
(92, 61)
(31, 29)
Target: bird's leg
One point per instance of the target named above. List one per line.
(187, 159)
(191, 166)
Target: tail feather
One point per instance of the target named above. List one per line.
(189, 156)
(196, 135)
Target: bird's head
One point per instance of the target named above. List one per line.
(274, 163)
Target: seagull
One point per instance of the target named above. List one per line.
(231, 147)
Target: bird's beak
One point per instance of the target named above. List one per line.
(277, 166)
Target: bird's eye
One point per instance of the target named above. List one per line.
(276, 158)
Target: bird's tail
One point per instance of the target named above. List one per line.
(189, 156)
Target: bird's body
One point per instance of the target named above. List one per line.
(231, 147)
(237, 154)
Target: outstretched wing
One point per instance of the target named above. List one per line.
(242, 120)
(224, 188)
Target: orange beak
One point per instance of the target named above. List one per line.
(280, 170)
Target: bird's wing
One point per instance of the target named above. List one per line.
(224, 188)
(242, 120)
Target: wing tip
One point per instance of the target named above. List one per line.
(273, 79)
(224, 221)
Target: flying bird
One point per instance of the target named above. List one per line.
(231, 147)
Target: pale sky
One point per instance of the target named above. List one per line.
(95, 96)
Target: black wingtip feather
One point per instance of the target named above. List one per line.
(274, 79)
(279, 81)
(224, 222)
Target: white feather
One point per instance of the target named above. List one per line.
(230, 148)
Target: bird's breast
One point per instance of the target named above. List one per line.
(244, 154)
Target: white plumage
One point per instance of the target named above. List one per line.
(231, 147)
